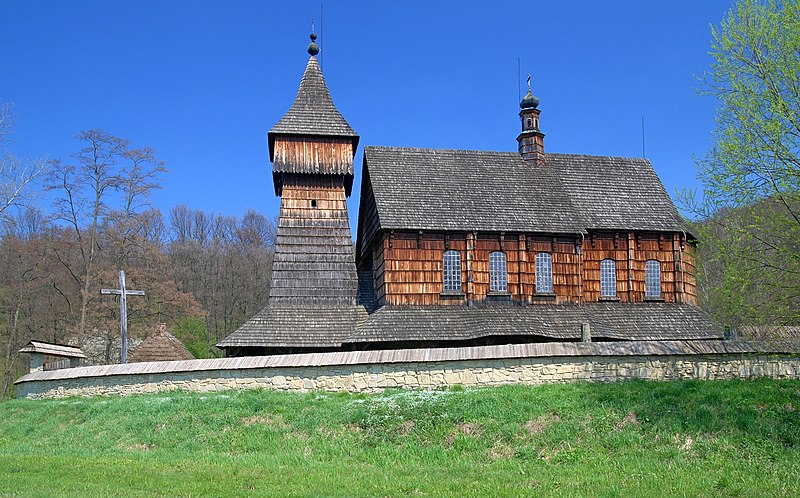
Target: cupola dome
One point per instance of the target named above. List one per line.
(529, 101)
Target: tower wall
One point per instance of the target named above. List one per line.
(314, 258)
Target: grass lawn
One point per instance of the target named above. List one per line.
(724, 438)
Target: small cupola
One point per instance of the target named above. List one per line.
(531, 140)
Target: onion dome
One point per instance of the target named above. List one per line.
(313, 48)
(529, 101)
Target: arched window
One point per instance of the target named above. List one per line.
(652, 284)
(544, 272)
(498, 276)
(452, 271)
(608, 278)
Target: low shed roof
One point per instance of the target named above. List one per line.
(52, 349)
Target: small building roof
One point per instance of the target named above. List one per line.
(52, 349)
(160, 346)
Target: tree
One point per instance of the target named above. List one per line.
(106, 173)
(15, 175)
(749, 211)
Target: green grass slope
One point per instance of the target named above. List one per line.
(633, 439)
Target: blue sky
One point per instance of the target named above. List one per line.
(202, 82)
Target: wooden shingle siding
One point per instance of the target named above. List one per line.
(632, 252)
(409, 266)
(314, 261)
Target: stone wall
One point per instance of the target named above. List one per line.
(355, 377)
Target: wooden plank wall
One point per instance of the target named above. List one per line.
(631, 252)
(408, 266)
(379, 272)
(414, 267)
(566, 274)
(307, 154)
(367, 217)
(327, 192)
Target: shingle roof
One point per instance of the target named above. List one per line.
(465, 190)
(640, 321)
(440, 189)
(297, 326)
(160, 346)
(305, 326)
(615, 193)
(312, 112)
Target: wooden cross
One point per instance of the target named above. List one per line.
(123, 311)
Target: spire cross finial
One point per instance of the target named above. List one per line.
(312, 24)
(529, 82)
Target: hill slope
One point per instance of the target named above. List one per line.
(638, 438)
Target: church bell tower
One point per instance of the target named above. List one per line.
(311, 149)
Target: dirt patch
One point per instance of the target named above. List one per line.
(540, 423)
(470, 428)
(275, 420)
(406, 427)
(629, 419)
(502, 450)
(141, 447)
(685, 443)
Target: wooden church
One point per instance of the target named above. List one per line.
(464, 247)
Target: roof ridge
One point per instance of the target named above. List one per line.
(440, 149)
(500, 152)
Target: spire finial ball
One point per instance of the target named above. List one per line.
(313, 48)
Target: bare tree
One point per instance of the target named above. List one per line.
(88, 191)
(16, 175)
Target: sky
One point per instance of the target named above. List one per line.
(201, 82)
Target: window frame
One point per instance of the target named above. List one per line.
(544, 272)
(605, 273)
(451, 271)
(498, 272)
(652, 279)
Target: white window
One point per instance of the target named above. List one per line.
(544, 272)
(652, 285)
(452, 271)
(498, 274)
(608, 278)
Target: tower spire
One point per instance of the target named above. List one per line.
(531, 140)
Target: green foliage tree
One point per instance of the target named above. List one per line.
(192, 332)
(749, 211)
